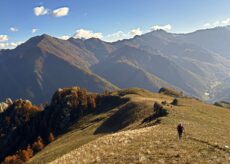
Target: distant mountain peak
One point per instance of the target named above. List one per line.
(93, 39)
(159, 30)
(45, 35)
(85, 40)
(76, 39)
(34, 41)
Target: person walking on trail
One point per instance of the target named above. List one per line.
(180, 130)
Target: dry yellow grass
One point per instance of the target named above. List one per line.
(157, 144)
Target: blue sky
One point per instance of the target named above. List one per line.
(109, 20)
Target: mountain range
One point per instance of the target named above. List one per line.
(196, 63)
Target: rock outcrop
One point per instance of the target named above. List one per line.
(5, 105)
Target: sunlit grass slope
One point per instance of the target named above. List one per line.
(142, 140)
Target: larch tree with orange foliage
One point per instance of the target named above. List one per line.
(51, 137)
(38, 145)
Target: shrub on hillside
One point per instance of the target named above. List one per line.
(159, 110)
(26, 154)
(13, 159)
(171, 92)
(174, 102)
(38, 145)
(51, 137)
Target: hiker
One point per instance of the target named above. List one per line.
(180, 129)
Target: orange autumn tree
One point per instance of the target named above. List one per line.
(51, 137)
(12, 159)
(38, 145)
(26, 154)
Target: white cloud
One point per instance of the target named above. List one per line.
(216, 23)
(207, 24)
(135, 32)
(64, 37)
(223, 22)
(2, 45)
(41, 10)
(167, 27)
(86, 34)
(34, 30)
(14, 44)
(60, 12)
(226, 21)
(13, 29)
(9, 45)
(119, 35)
(3, 38)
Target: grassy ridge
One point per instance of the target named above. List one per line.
(206, 137)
